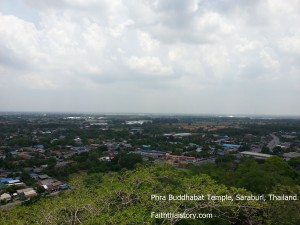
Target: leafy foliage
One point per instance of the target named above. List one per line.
(125, 198)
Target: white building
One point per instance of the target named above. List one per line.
(5, 197)
(255, 155)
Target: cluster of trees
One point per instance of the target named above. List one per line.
(17, 164)
(125, 198)
(89, 162)
(256, 176)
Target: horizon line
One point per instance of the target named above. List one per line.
(232, 115)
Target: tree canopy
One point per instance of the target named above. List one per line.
(125, 198)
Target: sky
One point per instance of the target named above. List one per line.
(150, 56)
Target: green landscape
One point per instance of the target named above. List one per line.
(165, 112)
(107, 169)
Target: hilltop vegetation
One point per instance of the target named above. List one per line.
(125, 198)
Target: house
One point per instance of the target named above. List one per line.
(51, 185)
(38, 150)
(27, 192)
(34, 176)
(24, 155)
(64, 187)
(5, 180)
(104, 159)
(37, 170)
(51, 188)
(137, 122)
(57, 183)
(80, 149)
(5, 197)
(290, 155)
(94, 145)
(13, 181)
(39, 146)
(231, 146)
(78, 140)
(127, 145)
(24, 190)
(47, 182)
(43, 176)
(199, 149)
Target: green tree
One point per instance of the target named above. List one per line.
(127, 161)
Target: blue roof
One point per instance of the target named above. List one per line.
(33, 175)
(39, 146)
(64, 187)
(4, 180)
(231, 146)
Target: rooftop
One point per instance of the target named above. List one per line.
(256, 154)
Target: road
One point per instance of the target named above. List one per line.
(274, 142)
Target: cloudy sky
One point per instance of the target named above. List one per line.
(156, 56)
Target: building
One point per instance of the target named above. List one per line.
(5, 197)
(255, 155)
(178, 134)
(5, 180)
(47, 182)
(180, 158)
(290, 155)
(43, 176)
(78, 140)
(15, 183)
(182, 135)
(64, 187)
(136, 131)
(150, 153)
(80, 149)
(231, 146)
(27, 192)
(104, 159)
(24, 155)
(34, 176)
(39, 146)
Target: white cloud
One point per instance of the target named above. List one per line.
(148, 65)
(291, 44)
(209, 50)
(146, 42)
